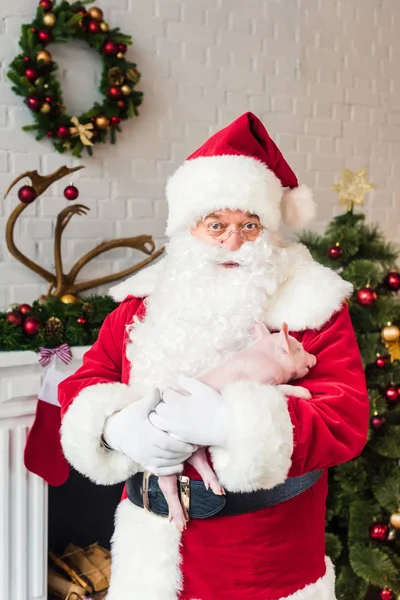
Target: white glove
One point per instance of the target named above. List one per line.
(129, 431)
(200, 418)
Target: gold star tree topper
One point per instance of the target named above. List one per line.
(352, 187)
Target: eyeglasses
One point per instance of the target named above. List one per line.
(221, 232)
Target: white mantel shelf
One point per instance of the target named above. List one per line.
(23, 495)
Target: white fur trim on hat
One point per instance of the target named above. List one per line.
(209, 183)
(298, 207)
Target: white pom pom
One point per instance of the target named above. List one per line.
(298, 207)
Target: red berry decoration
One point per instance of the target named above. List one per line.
(392, 394)
(335, 252)
(115, 121)
(392, 281)
(387, 594)
(81, 320)
(32, 325)
(31, 74)
(122, 48)
(14, 317)
(381, 362)
(27, 59)
(366, 296)
(63, 132)
(50, 134)
(114, 93)
(45, 36)
(71, 192)
(379, 531)
(110, 48)
(34, 103)
(94, 27)
(47, 5)
(377, 422)
(25, 309)
(122, 105)
(27, 194)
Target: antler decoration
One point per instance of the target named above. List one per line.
(64, 283)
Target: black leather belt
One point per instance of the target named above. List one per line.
(199, 503)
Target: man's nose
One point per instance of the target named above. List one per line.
(234, 241)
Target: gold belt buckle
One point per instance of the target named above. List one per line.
(184, 495)
(145, 490)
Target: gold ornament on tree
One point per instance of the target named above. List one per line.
(69, 299)
(395, 519)
(49, 19)
(391, 336)
(104, 26)
(126, 90)
(45, 108)
(352, 187)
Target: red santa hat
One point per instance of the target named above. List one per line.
(238, 168)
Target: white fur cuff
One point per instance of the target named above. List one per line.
(260, 445)
(81, 431)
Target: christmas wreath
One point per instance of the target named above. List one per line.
(33, 75)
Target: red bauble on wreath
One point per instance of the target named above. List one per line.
(25, 309)
(57, 22)
(71, 192)
(14, 318)
(392, 281)
(387, 594)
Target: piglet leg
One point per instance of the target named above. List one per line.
(168, 486)
(199, 461)
(297, 391)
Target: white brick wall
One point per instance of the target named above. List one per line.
(322, 74)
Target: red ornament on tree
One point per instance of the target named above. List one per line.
(387, 594)
(25, 309)
(122, 48)
(47, 5)
(63, 132)
(114, 93)
(115, 121)
(379, 531)
(377, 422)
(50, 134)
(27, 59)
(48, 99)
(32, 325)
(335, 252)
(27, 194)
(391, 394)
(81, 320)
(31, 74)
(392, 281)
(366, 296)
(45, 36)
(110, 48)
(381, 362)
(71, 192)
(14, 318)
(94, 27)
(34, 103)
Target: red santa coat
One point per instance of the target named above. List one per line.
(273, 554)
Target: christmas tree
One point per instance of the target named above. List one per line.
(363, 506)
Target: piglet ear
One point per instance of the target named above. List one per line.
(284, 334)
(260, 330)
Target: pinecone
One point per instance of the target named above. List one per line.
(54, 326)
(87, 307)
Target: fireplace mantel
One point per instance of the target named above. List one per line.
(23, 495)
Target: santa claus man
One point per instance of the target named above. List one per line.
(225, 269)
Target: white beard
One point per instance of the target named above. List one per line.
(200, 311)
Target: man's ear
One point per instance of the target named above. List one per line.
(284, 338)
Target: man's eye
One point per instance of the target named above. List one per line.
(216, 226)
(250, 226)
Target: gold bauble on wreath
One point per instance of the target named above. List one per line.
(46, 108)
(390, 333)
(96, 13)
(126, 90)
(69, 299)
(49, 19)
(103, 122)
(104, 26)
(44, 56)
